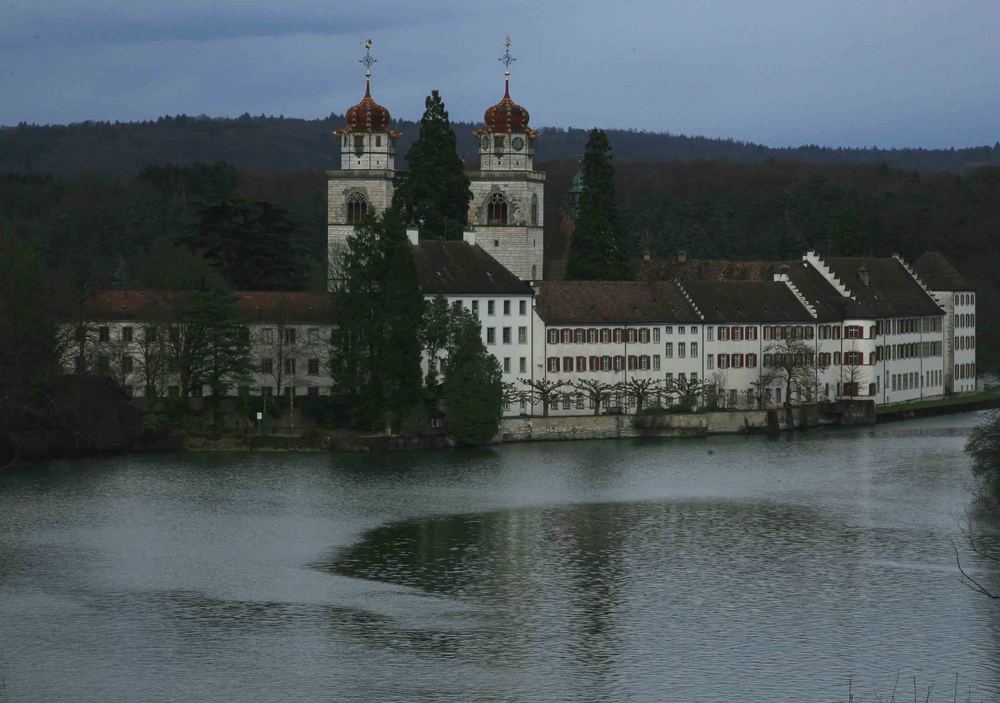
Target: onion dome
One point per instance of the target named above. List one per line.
(506, 115)
(367, 115)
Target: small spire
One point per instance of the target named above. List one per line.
(367, 62)
(506, 60)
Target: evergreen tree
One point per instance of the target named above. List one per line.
(600, 248)
(403, 384)
(253, 243)
(435, 193)
(377, 360)
(473, 392)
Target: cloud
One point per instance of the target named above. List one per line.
(845, 72)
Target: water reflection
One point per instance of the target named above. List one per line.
(731, 569)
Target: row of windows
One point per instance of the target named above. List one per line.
(668, 350)
(965, 299)
(197, 391)
(965, 320)
(732, 361)
(522, 365)
(609, 335)
(734, 334)
(907, 381)
(962, 343)
(491, 308)
(913, 350)
(965, 370)
(267, 366)
(505, 336)
(910, 325)
(567, 364)
(126, 334)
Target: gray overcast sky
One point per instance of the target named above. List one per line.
(779, 72)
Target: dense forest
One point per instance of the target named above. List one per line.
(263, 143)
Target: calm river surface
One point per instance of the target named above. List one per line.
(728, 569)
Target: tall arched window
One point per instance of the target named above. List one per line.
(534, 210)
(357, 208)
(496, 213)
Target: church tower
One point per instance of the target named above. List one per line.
(364, 183)
(507, 193)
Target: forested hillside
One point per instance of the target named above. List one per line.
(772, 210)
(281, 144)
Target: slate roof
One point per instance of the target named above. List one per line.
(891, 290)
(254, 306)
(938, 273)
(612, 302)
(746, 301)
(458, 268)
(827, 302)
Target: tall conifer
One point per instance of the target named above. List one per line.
(435, 193)
(600, 246)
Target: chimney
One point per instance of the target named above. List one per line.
(645, 255)
(782, 273)
(413, 234)
(863, 275)
(469, 237)
(682, 255)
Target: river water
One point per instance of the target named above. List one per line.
(724, 569)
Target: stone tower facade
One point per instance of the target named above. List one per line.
(508, 195)
(364, 183)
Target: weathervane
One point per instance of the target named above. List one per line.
(368, 60)
(506, 59)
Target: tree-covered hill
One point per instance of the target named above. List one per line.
(123, 149)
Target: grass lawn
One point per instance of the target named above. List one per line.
(939, 402)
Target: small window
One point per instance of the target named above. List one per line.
(522, 307)
(126, 334)
(534, 210)
(490, 307)
(506, 307)
(359, 144)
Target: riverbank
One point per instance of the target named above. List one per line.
(938, 406)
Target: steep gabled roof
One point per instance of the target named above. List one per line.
(253, 306)
(890, 291)
(824, 298)
(458, 268)
(612, 303)
(747, 301)
(938, 273)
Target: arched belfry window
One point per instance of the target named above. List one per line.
(496, 212)
(534, 210)
(357, 208)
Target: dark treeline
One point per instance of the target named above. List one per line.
(123, 149)
(772, 210)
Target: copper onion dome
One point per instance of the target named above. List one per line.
(506, 115)
(367, 115)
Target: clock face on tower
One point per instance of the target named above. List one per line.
(517, 143)
(486, 143)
